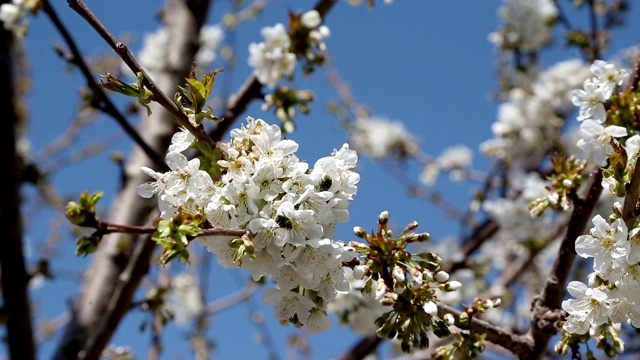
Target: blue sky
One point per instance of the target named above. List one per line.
(427, 63)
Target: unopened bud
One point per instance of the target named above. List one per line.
(311, 19)
(449, 319)
(430, 308)
(450, 286)
(383, 218)
(360, 232)
(441, 276)
(412, 226)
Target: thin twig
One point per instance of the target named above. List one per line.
(106, 227)
(232, 299)
(108, 107)
(121, 49)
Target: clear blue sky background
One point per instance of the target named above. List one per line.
(427, 63)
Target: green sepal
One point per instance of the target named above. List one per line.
(175, 234)
(88, 244)
(195, 96)
(145, 96)
(83, 213)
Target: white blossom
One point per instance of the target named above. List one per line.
(597, 142)
(606, 243)
(380, 137)
(271, 59)
(589, 308)
(526, 24)
(185, 298)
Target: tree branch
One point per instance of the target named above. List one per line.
(362, 348)
(101, 97)
(121, 49)
(547, 304)
(633, 191)
(519, 345)
(12, 265)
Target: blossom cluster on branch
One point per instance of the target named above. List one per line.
(275, 58)
(610, 139)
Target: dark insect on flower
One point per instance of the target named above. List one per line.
(284, 222)
(326, 183)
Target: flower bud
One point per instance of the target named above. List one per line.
(311, 19)
(383, 218)
(412, 226)
(441, 276)
(360, 232)
(449, 319)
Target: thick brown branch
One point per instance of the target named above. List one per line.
(633, 191)
(125, 287)
(519, 345)
(548, 302)
(362, 348)
(12, 265)
(250, 90)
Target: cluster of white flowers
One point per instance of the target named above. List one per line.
(597, 90)
(454, 160)
(12, 15)
(185, 298)
(527, 24)
(289, 209)
(512, 213)
(357, 309)
(380, 137)
(529, 122)
(273, 59)
(154, 49)
(613, 292)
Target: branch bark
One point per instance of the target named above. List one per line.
(546, 306)
(519, 345)
(12, 265)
